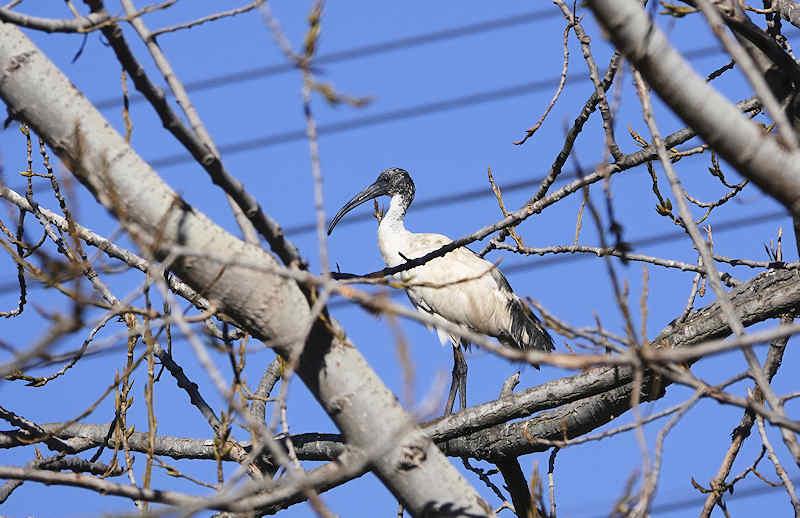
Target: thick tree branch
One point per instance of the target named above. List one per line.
(100, 485)
(535, 206)
(202, 150)
(85, 24)
(738, 21)
(789, 10)
(58, 463)
(269, 306)
(738, 140)
(718, 486)
(581, 403)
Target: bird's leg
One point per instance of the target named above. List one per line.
(459, 382)
(451, 397)
(461, 367)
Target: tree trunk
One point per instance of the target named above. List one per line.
(241, 278)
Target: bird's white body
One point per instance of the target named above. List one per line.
(460, 286)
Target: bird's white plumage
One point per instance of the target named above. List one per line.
(459, 287)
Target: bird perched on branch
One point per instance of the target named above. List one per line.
(459, 287)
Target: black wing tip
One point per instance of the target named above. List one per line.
(527, 331)
(541, 340)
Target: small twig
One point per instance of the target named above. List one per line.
(499, 197)
(755, 78)
(560, 88)
(182, 97)
(594, 74)
(779, 469)
(702, 247)
(205, 19)
(650, 482)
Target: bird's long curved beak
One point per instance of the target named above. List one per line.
(373, 191)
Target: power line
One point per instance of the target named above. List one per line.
(420, 110)
(741, 492)
(552, 259)
(402, 113)
(438, 107)
(542, 262)
(358, 52)
(664, 237)
(410, 112)
(435, 201)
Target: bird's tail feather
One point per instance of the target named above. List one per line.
(527, 331)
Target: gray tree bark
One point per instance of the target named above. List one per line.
(789, 11)
(576, 404)
(738, 140)
(270, 306)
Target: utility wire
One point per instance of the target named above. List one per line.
(410, 112)
(455, 199)
(358, 52)
(438, 107)
(553, 259)
(513, 267)
(435, 201)
(393, 115)
(697, 500)
(421, 110)
(654, 239)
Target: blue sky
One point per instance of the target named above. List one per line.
(447, 151)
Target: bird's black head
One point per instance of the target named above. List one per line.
(398, 181)
(393, 181)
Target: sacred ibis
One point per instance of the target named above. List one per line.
(459, 287)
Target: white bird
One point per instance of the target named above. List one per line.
(459, 287)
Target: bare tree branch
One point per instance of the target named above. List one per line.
(270, 307)
(789, 10)
(197, 145)
(738, 140)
